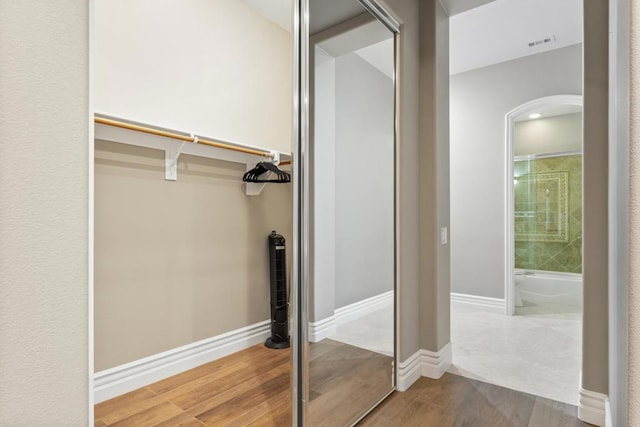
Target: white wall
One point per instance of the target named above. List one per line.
(44, 176)
(324, 182)
(364, 185)
(549, 135)
(353, 182)
(480, 99)
(216, 68)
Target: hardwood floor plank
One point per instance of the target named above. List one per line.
(450, 391)
(180, 386)
(471, 406)
(343, 405)
(371, 367)
(514, 406)
(549, 413)
(127, 408)
(193, 422)
(218, 400)
(180, 419)
(343, 374)
(217, 393)
(491, 404)
(220, 380)
(279, 417)
(109, 409)
(242, 403)
(390, 410)
(421, 414)
(262, 411)
(245, 358)
(252, 388)
(151, 416)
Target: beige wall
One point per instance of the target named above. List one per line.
(44, 141)
(177, 262)
(595, 359)
(215, 68)
(634, 226)
(434, 177)
(408, 11)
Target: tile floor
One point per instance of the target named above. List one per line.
(373, 331)
(537, 351)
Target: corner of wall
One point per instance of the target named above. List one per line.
(591, 408)
(424, 363)
(434, 200)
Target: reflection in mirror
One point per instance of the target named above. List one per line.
(351, 307)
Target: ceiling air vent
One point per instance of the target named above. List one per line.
(546, 40)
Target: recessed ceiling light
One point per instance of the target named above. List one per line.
(535, 116)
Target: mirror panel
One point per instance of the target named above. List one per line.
(352, 211)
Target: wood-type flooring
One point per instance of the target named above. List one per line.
(252, 388)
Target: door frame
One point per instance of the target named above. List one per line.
(509, 275)
(616, 409)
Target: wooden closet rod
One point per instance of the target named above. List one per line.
(186, 138)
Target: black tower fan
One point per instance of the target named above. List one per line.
(279, 318)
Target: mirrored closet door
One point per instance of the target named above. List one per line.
(348, 359)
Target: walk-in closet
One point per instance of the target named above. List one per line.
(208, 308)
(190, 96)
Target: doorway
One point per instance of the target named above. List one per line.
(544, 207)
(489, 236)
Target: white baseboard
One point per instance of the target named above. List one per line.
(493, 304)
(409, 371)
(423, 363)
(591, 408)
(322, 329)
(128, 377)
(361, 308)
(326, 327)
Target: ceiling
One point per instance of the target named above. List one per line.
(326, 13)
(380, 55)
(454, 7)
(371, 41)
(502, 30)
(482, 32)
(323, 13)
(549, 111)
(278, 11)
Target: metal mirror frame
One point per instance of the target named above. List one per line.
(301, 181)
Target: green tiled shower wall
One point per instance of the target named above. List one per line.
(540, 252)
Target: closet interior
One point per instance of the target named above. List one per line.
(189, 98)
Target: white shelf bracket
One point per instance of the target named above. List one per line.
(171, 156)
(275, 156)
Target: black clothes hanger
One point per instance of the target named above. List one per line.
(261, 168)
